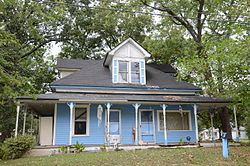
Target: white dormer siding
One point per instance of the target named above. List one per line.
(127, 63)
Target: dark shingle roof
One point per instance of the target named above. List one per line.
(93, 73)
(166, 68)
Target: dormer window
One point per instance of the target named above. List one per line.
(135, 72)
(123, 72)
(127, 63)
(128, 72)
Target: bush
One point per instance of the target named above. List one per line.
(103, 148)
(62, 149)
(13, 148)
(79, 147)
(181, 142)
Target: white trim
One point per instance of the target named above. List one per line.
(17, 118)
(196, 123)
(153, 124)
(145, 53)
(235, 123)
(54, 129)
(112, 52)
(189, 118)
(87, 121)
(24, 120)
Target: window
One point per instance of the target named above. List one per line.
(135, 72)
(174, 121)
(80, 121)
(123, 72)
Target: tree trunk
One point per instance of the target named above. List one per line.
(225, 121)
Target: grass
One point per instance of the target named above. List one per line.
(192, 156)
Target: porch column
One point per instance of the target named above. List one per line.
(136, 106)
(108, 105)
(165, 123)
(196, 123)
(211, 113)
(71, 106)
(54, 131)
(236, 125)
(24, 120)
(17, 117)
(212, 125)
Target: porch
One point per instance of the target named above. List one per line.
(118, 119)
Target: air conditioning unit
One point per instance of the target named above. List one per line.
(115, 139)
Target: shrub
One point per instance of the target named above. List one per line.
(79, 147)
(62, 149)
(103, 148)
(13, 148)
(181, 142)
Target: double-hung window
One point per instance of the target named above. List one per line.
(135, 72)
(80, 121)
(175, 120)
(123, 72)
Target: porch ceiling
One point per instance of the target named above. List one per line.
(41, 107)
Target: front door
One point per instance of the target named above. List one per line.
(46, 130)
(147, 130)
(115, 126)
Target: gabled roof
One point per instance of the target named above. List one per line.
(73, 63)
(129, 40)
(94, 74)
(166, 68)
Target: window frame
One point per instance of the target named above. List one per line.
(87, 121)
(130, 74)
(161, 111)
(128, 71)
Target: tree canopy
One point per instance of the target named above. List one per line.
(207, 41)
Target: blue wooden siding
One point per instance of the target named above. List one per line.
(96, 133)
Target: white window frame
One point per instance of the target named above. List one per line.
(87, 121)
(189, 118)
(128, 71)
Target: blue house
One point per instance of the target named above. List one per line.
(118, 100)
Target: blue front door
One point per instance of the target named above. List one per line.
(147, 126)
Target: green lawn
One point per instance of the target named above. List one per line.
(193, 156)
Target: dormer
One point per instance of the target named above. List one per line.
(127, 63)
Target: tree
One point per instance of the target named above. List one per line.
(23, 70)
(206, 22)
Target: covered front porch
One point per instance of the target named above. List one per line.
(92, 119)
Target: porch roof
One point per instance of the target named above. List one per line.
(121, 98)
(44, 103)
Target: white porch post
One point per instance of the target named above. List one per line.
(196, 123)
(212, 125)
(136, 122)
(108, 105)
(17, 117)
(24, 120)
(165, 124)
(54, 130)
(236, 125)
(71, 106)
